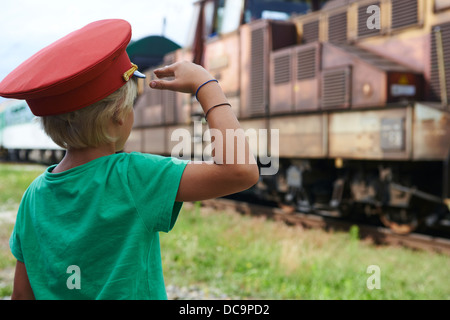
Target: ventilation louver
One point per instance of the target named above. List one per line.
(435, 85)
(337, 27)
(311, 31)
(306, 64)
(363, 18)
(336, 85)
(282, 69)
(258, 69)
(404, 13)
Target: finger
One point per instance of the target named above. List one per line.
(159, 84)
(164, 72)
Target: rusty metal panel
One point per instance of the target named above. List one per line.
(183, 108)
(431, 138)
(178, 137)
(371, 135)
(184, 54)
(139, 105)
(283, 34)
(254, 66)
(441, 5)
(336, 88)
(310, 31)
(152, 115)
(222, 61)
(183, 100)
(148, 106)
(258, 38)
(306, 60)
(259, 70)
(235, 102)
(363, 15)
(301, 136)
(404, 13)
(245, 68)
(169, 97)
(337, 26)
(439, 62)
(259, 148)
(392, 137)
(369, 86)
(154, 140)
(369, 79)
(281, 89)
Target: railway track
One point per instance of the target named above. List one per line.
(378, 235)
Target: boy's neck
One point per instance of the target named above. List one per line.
(77, 157)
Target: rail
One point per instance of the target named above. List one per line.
(378, 235)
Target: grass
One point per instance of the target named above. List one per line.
(14, 180)
(247, 257)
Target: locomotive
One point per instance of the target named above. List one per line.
(357, 91)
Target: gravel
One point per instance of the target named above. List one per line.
(186, 293)
(194, 293)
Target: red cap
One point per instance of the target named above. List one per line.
(74, 72)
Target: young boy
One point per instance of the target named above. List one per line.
(88, 227)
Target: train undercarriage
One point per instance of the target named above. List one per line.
(397, 195)
(41, 156)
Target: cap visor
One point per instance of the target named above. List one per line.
(139, 74)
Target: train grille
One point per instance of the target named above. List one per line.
(282, 69)
(404, 13)
(306, 64)
(363, 29)
(435, 85)
(258, 70)
(311, 31)
(336, 88)
(337, 27)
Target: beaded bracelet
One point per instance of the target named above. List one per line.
(203, 85)
(217, 105)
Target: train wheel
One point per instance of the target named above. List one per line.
(399, 220)
(286, 208)
(287, 205)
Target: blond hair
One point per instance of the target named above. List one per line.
(88, 127)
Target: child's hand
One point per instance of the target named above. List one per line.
(187, 77)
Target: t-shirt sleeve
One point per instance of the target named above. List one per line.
(153, 181)
(14, 243)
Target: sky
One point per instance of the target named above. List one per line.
(26, 26)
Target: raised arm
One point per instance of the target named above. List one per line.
(233, 170)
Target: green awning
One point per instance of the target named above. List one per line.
(150, 51)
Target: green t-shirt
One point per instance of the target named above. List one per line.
(92, 232)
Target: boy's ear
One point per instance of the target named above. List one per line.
(118, 121)
(117, 118)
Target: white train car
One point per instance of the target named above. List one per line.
(22, 137)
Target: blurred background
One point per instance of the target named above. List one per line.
(357, 92)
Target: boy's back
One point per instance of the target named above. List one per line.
(92, 231)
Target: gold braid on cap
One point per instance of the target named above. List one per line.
(127, 75)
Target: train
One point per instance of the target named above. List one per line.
(22, 138)
(356, 91)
